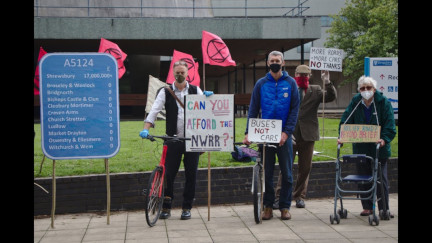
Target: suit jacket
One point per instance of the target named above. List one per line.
(307, 127)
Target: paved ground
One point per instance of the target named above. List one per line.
(230, 223)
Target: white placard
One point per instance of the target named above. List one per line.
(209, 122)
(264, 130)
(326, 59)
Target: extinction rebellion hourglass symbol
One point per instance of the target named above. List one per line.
(191, 69)
(116, 54)
(217, 51)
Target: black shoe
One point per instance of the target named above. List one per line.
(186, 214)
(166, 213)
(300, 203)
(276, 204)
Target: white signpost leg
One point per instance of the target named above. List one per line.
(108, 191)
(53, 196)
(209, 187)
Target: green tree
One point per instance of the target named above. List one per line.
(364, 28)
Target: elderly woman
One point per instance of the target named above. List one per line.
(372, 107)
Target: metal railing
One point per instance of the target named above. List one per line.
(80, 9)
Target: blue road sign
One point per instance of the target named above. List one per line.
(79, 105)
(385, 71)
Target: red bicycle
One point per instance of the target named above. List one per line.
(154, 194)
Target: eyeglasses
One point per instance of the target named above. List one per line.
(183, 63)
(365, 87)
(180, 62)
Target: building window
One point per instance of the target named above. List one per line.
(326, 21)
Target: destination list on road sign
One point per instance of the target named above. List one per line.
(79, 105)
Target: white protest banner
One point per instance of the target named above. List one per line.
(209, 122)
(329, 59)
(264, 130)
(153, 86)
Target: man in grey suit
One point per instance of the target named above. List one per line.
(307, 128)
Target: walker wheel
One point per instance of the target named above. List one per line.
(373, 218)
(331, 219)
(343, 213)
(334, 217)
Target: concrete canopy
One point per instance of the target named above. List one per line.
(248, 39)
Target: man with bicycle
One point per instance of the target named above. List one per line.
(307, 129)
(171, 97)
(276, 96)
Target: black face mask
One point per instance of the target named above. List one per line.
(179, 78)
(274, 67)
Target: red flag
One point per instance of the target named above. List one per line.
(215, 51)
(193, 75)
(42, 52)
(112, 48)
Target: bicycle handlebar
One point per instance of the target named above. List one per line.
(270, 145)
(165, 138)
(265, 144)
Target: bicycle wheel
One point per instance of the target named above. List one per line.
(154, 196)
(257, 191)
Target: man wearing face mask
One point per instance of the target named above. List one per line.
(371, 107)
(307, 128)
(175, 127)
(276, 96)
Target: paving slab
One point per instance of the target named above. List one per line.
(228, 223)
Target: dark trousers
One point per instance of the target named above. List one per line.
(175, 151)
(366, 168)
(305, 153)
(284, 154)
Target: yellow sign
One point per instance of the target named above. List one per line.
(359, 133)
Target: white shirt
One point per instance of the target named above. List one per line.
(159, 103)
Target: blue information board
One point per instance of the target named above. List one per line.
(79, 105)
(385, 71)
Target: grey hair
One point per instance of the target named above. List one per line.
(366, 80)
(276, 53)
(180, 62)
